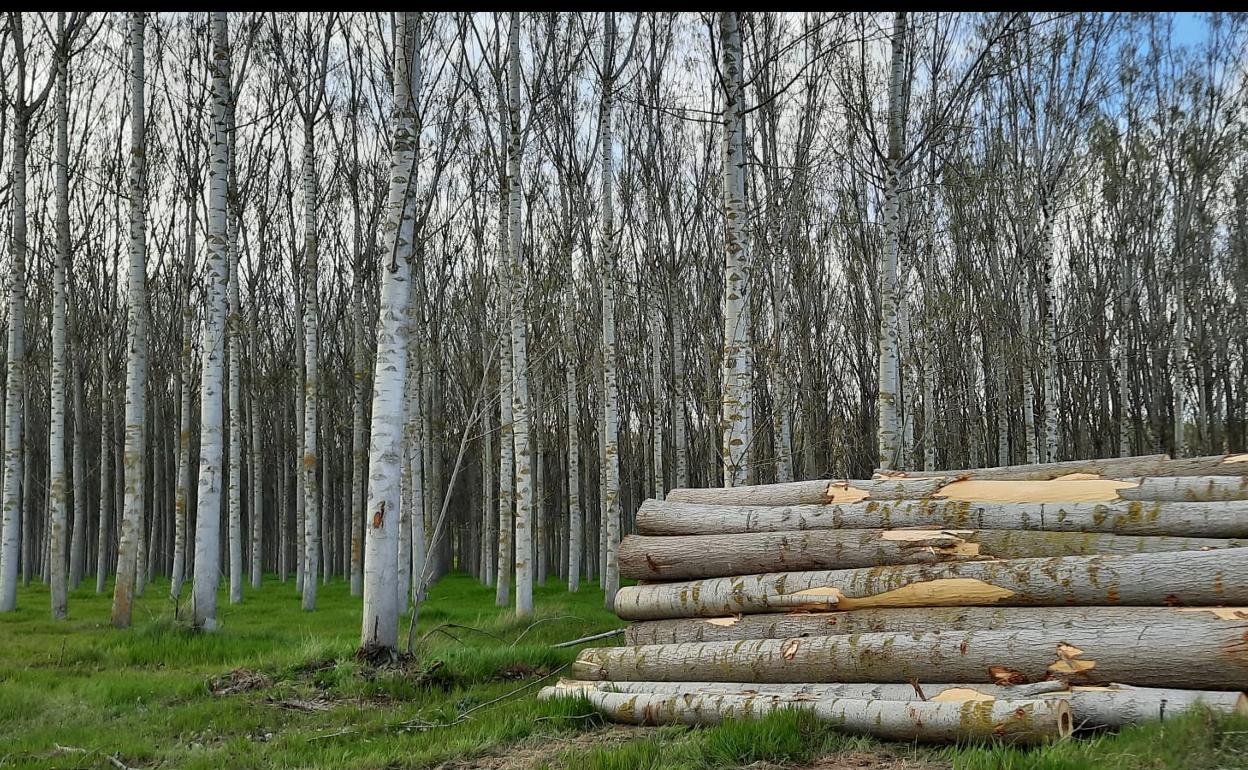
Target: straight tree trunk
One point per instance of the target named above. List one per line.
(207, 567)
(311, 341)
(131, 540)
(78, 543)
(186, 375)
(888, 433)
(234, 331)
(106, 477)
(576, 523)
(1189, 489)
(381, 597)
(736, 366)
(57, 481)
(519, 337)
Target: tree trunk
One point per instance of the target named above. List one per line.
(131, 538)
(57, 481)
(1134, 654)
(888, 393)
(186, 374)
(1192, 578)
(576, 523)
(1109, 467)
(704, 556)
(78, 542)
(735, 364)
(311, 384)
(106, 477)
(812, 492)
(1020, 722)
(380, 626)
(1193, 620)
(1227, 519)
(208, 509)
(234, 331)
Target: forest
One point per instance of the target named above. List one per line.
(379, 317)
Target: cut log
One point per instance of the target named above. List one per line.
(1111, 467)
(1091, 707)
(1142, 655)
(1023, 722)
(775, 625)
(1190, 489)
(812, 492)
(856, 690)
(1186, 578)
(1136, 517)
(703, 556)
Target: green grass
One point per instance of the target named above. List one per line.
(143, 695)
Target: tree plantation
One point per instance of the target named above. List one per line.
(318, 312)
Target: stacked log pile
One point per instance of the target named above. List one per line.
(1016, 603)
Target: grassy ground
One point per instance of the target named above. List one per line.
(78, 694)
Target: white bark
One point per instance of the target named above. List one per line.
(381, 597)
(1048, 255)
(181, 506)
(888, 434)
(736, 366)
(610, 394)
(208, 509)
(78, 544)
(131, 540)
(576, 523)
(506, 444)
(234, 331)
(519, 336)
(311, 382)
(57, 481)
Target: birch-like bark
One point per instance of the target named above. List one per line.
(888, 434)
(611, 418)
(106, 477)
(181, 503)
(208, 508)
(1047, 253)
(1124, 357)
(380, 627)
(519, 336)
(234, 331)
(311, 381)
(1178, 356)
(359, 431)
(657, 391)
(506, 451)
(576, 524)
(257, 472)
(78, 542)
(419, 545)
(131, 539)
(735, 407)
(57, 481)
(680, 434)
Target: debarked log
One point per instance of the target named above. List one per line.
(785, 625)
(1182, 578)
(1135, 517)
(701, 556)
(1153, 656)
(1023, 722)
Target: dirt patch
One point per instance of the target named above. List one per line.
(517, 671)
(238, 680)
(378, 656)
(540, 749)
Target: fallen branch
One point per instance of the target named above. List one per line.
(538, 622)
(593, 638)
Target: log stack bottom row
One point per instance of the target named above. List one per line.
(1018, 604)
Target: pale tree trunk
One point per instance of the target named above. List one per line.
(1029, 393)
(657, 392)
(519, 338)
(410, 505)
(1047, 254)
(57, 482)
(301, 514)
(78, 543)
(888, 434)
(576, 524)
(680, 435)
(106, 476)
(416, 461)
(15, 390)
(131, 540)
(187, 372)
(234, 333)
(257, 466)
(1178, 356)
(359, 434)
(611, 418)
(488, 522)
(735, 407)
(1124, 359)
(380, 627)
(311, 383)
(506, 450)
(208, 508)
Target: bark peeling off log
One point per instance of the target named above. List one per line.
(1141, 655)
(1193, 620)
(1189, 578)
(703, 556)
(1018, 721)
(1192, 519)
